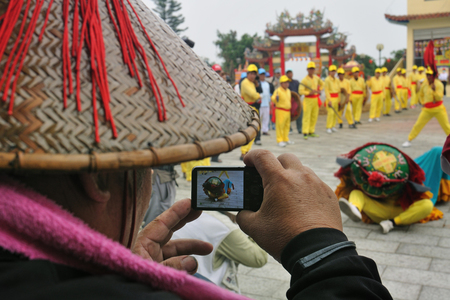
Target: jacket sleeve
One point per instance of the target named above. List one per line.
(327, 89)
(341, 275)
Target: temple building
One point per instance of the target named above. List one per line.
(426, 20)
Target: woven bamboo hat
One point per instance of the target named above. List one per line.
(92, 85)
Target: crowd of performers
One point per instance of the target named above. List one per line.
(343, 97)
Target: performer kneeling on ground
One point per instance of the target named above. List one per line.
(432, 93)
(345, 92)
(282, 101)
(384, 184)
(332, 89)
(310, 88)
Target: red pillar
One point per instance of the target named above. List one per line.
(317, 47)
(282, 55)
(271, 63)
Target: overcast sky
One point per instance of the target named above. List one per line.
(363, 21)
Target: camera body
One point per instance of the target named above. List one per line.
(226, 188)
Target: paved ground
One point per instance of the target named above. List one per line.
(414, 261)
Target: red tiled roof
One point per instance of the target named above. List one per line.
(407, 18)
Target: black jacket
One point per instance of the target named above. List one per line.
(342, 275)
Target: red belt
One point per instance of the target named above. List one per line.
(387, 88)
(250, 103)
(399, 86)
(357, 92)
(413, 82)
(283, 109)
(311, 96)
(376, 93)
(334, 95)
(432, 105)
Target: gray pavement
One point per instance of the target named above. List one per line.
(413, 261)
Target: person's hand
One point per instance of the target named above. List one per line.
(259, 100)
(330, 104)
(153, 242)
(295, 200)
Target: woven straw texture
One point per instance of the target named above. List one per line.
(40, 124)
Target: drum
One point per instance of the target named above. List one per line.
(380, 171)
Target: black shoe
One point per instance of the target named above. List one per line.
(352, 126)
(398, 111)
(242, 157)
(387, 115)
(216, 160)
(404, 109)
(340, 126)
(358, 123)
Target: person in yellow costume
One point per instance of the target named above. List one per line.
(358, 94)
(282, 101)
(345, 92)
(251, 96)
(376, 85)
(332, 89)
(387, 92)
(310, 87)
(422, 77)
(412, 84)
(404, 91)
(432, 93)
(398, 83)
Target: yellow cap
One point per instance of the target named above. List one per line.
(403, 71)
(355, 69)
(311, 65)
(429, 71)
(252, 68)
(340, 71)
(421, 68)
(377, 70)
(284, 78)
(384, 69)
(414, 67)
(332, 68)
(399, 69)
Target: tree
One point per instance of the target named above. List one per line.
(393, 60)
(166, 10)
(368, 62)
(232, 48)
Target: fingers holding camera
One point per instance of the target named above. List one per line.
(295, 200)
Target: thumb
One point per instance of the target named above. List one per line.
(247, 221)
(183, 263)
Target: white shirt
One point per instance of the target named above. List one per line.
(265, 96)
(443, 76)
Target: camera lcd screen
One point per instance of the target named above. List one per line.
(220, 189)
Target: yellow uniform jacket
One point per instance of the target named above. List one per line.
(282, 98)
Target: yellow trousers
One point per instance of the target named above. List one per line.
(440, 113)
(387, 101)
(357, 104)
(282, 125)
(246, 148)
(187, 167)
(402, 95)
(376, 103)
(414, 97)
(378, 211)
(310, 115)
(348, 114)
(331, 115)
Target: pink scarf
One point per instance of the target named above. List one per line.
(36, 227)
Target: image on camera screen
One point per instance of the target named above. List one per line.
(221, 189)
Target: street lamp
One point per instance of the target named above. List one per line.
(379, 48)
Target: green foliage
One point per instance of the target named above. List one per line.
(232, 48)
(369, 68)
(167, 10)
(395, 57)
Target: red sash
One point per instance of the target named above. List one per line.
(283, 109)
(432, 105)
(315, 96)
(376, 93)
(387, 88)
(357, 92)
(413, 82)
(399, 86)
(334, 95)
